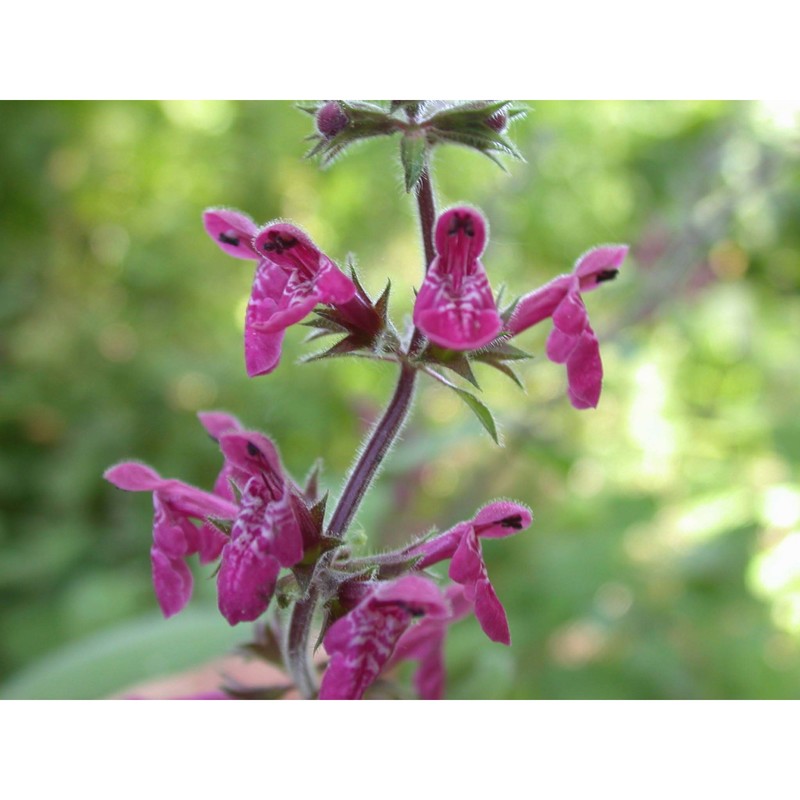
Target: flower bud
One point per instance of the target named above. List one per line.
(498, 121)
(331, 119)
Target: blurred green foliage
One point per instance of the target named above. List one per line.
(664, 559)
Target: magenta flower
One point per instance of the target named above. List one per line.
(572, 340)
(424, 643)
(455, 307)
(292, 276)
(362, 642)
(175, 537)
(462, 545)
(265, 535)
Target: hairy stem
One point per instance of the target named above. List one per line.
(298, 656)
(377, 446)
(427, 218)
(427, 215)
(385, 432)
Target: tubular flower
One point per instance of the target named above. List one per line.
(424, 643)
(362, 642)
(175, 537)
(292, 276)
(455, 307)
(572, 340)
(462, 545)
(265, 535)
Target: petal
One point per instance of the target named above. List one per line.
(251, 453)
(218, 422)
(288, 247)
(133, 477)
(333, 285)
(585, 372)
(440, 547)
(457, 311)
(539, 305)
(210, 543)
(599, 264)
(560, 345)
(362, 642)
(467, 566)
(570, 315)
(462, 226)
(490, 613)
(232, 230)
(172, 581)
(246, 580)
(170, 532)
(501, 518)
(262, 348)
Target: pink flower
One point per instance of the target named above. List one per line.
(292, 276)
(265, 535)
(175, 537)
(462, 545)
(424, 643)
(572, 340)
(362, 642)
(455, 307)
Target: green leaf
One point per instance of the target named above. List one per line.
(414, 155)
(506, 370)
(500, 350)
(481, 412)
(382, 303)
(343, 347)
(127, 654)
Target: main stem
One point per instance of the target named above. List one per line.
(385, 432)
(375, 450)
(299, 665)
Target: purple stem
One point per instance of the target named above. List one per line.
(375, 450)
(385, 432)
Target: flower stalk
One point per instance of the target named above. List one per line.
(257, 522)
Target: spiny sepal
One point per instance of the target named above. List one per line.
(479, 125)
(341, 123)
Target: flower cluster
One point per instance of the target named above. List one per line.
(266, 533)
(264, 525)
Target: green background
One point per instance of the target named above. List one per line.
(664, 559)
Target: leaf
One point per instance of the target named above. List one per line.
(501, 350)
(239, 691)
(344, 347)
(481, 412)
(414, 155)
(506, 370)
(382, 303)
(124, 655)
(311, 489)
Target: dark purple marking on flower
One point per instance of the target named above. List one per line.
(278, 242)
(606, 275)
(227, 238)
(514, 522)
(253, 450)
(414, 611)
(461, 222)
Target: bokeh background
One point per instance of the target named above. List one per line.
(664, 560)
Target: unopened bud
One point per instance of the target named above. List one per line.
(498, 121)
(331, 119)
